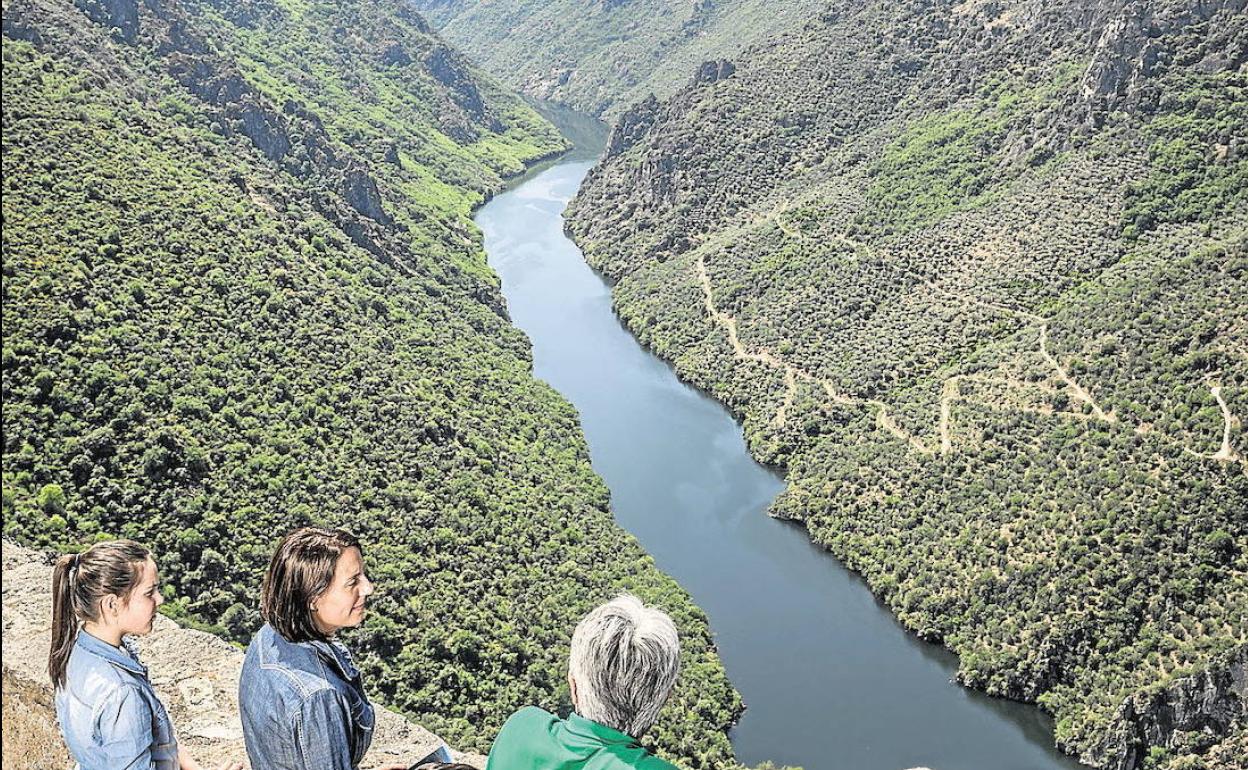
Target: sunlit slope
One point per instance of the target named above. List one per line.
(602, 55)
(976, 274)
(242, 292)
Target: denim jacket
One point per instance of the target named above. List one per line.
(303, 705)
(109, 713)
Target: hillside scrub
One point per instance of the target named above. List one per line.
(974, 275)
(242, 292)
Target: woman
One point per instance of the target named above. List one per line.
(301, 698)
(108, 712)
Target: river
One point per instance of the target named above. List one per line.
(831, 681)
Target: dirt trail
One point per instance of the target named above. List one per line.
(950, 390)
(947, 394)
(792, 374)
(1075, 387)
(1226, 453)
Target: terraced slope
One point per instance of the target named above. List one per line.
(601, 56)
(242, 292)
(975, 274)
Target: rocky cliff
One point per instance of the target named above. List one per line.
(1191, 714)
(195, 675)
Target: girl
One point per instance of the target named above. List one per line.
(108, 712)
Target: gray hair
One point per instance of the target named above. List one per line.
(625, 658)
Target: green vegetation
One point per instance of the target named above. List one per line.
(242, 292)
(1194, 177)
(600, 56)
(1005, 412)
(948, 159)
(939, 163)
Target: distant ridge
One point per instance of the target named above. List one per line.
(600, 56)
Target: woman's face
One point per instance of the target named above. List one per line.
(342, 604)
(136, 613)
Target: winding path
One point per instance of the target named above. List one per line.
(792, 374)
(950, 390)
(1227, 452)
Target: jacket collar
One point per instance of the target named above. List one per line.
(338, 657)
(598, 733)
(124, 657)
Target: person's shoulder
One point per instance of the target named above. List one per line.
(289, 671)
(524, 730)
(88, 673)
(125, 700)
(651, 762)
(638, 758)
(530, 717)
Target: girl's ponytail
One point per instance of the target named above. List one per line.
(64, 619)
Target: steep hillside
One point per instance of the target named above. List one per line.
(242, 292)
(975, 274)
(602, 55)
(195, 675)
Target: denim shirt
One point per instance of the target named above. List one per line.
(302, 705)
(108, 712)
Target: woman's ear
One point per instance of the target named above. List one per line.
(572, 688)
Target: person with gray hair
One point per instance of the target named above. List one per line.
(624, 662)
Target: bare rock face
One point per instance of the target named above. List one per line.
(713, 71)
(1192, 713)
(632, 126)
(360, 190)
(194, 673)
(1133, 48)
(448, 68)
(30, 727)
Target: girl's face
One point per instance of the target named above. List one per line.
(135, 614)
(342, 603)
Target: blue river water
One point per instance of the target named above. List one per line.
(831, 681)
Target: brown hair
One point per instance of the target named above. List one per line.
(301, 569)
(79, 582)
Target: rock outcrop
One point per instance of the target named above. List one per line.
(1138, 43)
(1191, 713)
(195, 674)
(121, 15)
(632, 126)
(713, 71)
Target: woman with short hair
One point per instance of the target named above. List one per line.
(107, 710)
(301, 698)
(624, 662)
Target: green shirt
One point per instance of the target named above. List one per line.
(534, 739)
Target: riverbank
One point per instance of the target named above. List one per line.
(831, 680)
